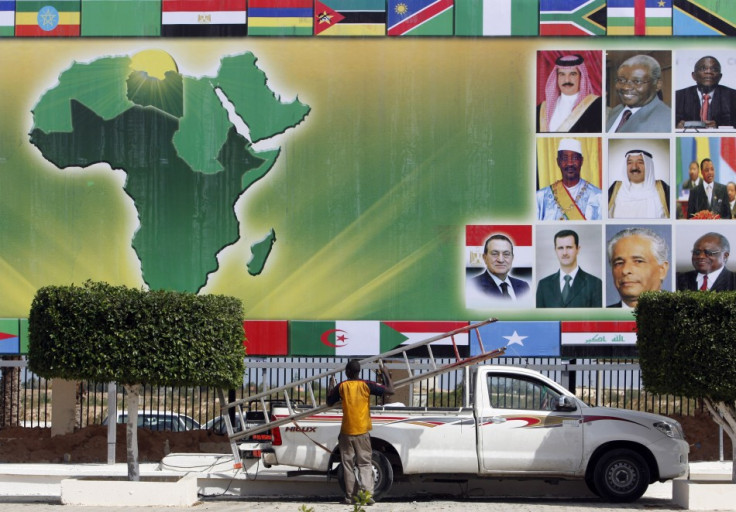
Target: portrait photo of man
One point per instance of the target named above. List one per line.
(731, 192)
(706, 269)
(493, 278)
(639, 174)
(707, 103)
(693, 179)
(637, 87)
(565, 194)
(569, 92)
(638, 258)
(569, 286)
(710, 196)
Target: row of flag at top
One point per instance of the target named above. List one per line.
(225, 18)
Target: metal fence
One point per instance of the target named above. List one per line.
(25, 399)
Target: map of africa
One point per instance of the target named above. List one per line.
(186, 164)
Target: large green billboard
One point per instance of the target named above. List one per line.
(314, 179)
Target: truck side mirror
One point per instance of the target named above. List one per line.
(566, 403)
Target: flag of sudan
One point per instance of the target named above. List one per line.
(420, 17)
(136, 18)
(280, 17)
(203, 18)
(350, 18)
(51, 18)
(704, 18)
(9, 336)
(639, 17)
(7, 18)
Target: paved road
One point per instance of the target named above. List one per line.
(471, 497)
(392, 505)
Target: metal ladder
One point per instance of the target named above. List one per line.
(287, 390)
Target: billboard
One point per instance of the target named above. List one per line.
(350, 179)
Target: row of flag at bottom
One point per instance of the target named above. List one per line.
(368, 337)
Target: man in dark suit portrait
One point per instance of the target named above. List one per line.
(638, 82)
(706, 101)
(694, 173)
(709, 196)
(639, 259)
(495, 281)
(731, 191)
(571, 286)
(709, 256)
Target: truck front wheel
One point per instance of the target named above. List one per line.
(621, 475)
(383, 475)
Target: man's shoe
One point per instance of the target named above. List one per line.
(347, 500)
(370, 501)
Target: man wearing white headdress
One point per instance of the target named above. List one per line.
(638, 194)
(571, 198)
(569, 103)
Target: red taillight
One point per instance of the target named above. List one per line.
(275, 434)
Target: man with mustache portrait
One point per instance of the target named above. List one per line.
(570, 104)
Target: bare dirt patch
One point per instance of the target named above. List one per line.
(89, 444)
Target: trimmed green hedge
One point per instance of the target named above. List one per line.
(687, 343)
(117, 334)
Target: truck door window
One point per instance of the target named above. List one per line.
(510, 392)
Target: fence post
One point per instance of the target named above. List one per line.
(112, 421)
(565, 377)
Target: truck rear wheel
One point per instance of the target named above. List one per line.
(383, 475)
(621, 475)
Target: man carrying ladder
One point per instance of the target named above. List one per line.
(354, 439)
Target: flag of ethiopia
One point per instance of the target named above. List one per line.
(52, 18)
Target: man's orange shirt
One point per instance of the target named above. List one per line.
(356, 407)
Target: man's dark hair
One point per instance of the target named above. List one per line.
(701, 59)
(497, 237)
(565, 233)
(703, 161)
(352, 369)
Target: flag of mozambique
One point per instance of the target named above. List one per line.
(350, 18)
(53, 18)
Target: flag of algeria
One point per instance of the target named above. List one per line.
(342, 338)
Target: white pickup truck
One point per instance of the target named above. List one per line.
(519, 424)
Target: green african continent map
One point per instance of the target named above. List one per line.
(186, 164)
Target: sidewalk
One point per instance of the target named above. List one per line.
(222, 493)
